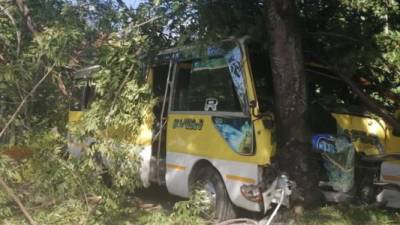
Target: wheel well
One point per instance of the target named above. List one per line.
(202, 164)
(197, 166)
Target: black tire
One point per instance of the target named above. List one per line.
(223, 208)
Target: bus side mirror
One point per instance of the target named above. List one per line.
(252, 106)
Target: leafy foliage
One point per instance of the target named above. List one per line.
(60, 184)
(61, 189)
(124, 99)
(53, 183)
(53, 48)
(348, 215)
(184, 212)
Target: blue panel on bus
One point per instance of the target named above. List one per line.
(324, 143)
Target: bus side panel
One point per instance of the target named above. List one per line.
(234, 175)
(197, 135)
(194, 137)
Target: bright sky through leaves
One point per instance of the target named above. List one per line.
(132, 3)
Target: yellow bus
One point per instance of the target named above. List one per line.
(214, 125)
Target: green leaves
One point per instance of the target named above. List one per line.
(56, 44)
(60, 188)
(379, 8)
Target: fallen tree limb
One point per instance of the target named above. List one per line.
(375, 107)
(390, 94)
(370, 103)
(24, 101)
(16, 199)
(146, 22)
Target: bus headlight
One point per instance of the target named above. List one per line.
(251, 193)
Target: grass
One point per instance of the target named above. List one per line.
(349, 215)
(330, 215)
(74, 212)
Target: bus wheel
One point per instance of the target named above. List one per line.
(208, 190)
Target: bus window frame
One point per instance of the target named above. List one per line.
(240, 114)
(226, 114)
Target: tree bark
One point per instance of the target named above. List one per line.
(24, 10)
(285, 54)
(287, 68)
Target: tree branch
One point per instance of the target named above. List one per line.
(18, 33)
(120, 88)
(24, 10)
(146, 22)
(24, 101)
(16, 199)
(122, 4)
(332, 34)
(370, 103)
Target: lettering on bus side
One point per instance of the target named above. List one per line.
(188, 124)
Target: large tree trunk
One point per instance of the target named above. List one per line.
(285, 51)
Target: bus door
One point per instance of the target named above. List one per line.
(161, 88)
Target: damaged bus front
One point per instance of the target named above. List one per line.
(211, 129)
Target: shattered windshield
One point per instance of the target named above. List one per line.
(206, 80)
(212, 83)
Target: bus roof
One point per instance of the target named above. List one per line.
(87, 72)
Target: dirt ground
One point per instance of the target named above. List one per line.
(156, 197)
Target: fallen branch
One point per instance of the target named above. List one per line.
(24, 101)
(367, 100)
(126, 79)
(16, 199)
(122, 4)
(371, 104)
(332, 34)
(146, 22)
(132, 26)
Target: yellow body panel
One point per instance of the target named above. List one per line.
(369, 129)
(145, 135)
(207, 141)
(392, 144)
(265, 144)
(74, 116)
(264, 138)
